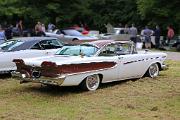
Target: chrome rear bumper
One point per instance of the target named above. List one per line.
(43, 80)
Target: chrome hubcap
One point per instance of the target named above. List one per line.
(92, 82)
(153, 70)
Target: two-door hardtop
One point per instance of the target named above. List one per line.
(90, 64)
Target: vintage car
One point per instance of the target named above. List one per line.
(69, 35)
(117, 34)
(25, 47)
(90, 64)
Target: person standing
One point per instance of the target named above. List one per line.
(126, 29)
(110, 28)
(133, 33)
(51, 27)
(147, 34)
(157, 34)
(170, 33)
(43, 28)
(39, 29)
(20, 28)
(2, 35)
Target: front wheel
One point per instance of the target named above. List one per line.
(153, 70)
(91, 83)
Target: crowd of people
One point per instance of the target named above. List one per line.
(145, 33)
(40, 29)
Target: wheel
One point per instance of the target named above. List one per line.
(178, 47)
(91, 83)
(74, 39)
(153, 70)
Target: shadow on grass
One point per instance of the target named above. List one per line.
(63, 91)
(4, 76)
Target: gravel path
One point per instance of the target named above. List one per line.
(173, 55)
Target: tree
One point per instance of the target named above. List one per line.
(160, 12)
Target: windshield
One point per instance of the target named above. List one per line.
(9, 45)
(86, 50)
(72, 32)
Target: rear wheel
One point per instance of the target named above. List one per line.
(91, 83)
(153, 70)
(74, 39)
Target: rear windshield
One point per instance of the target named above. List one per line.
(9, 45)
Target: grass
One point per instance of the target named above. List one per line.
(143, 99)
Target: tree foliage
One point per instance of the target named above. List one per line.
(160, 12)
(95, 13)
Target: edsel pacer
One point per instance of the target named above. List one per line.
(90, 64)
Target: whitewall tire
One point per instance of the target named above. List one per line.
(153, 70)
(91, 82)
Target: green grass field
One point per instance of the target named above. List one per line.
(143, 99)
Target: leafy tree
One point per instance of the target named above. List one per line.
(160, 12)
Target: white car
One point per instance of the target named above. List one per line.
(69, 35)
(118, 34)
(90, 64)
(25, 47)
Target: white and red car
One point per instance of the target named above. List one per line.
(90, 64)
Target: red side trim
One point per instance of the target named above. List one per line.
(52, 71)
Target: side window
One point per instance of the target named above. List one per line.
(115, 50)
(36, 47)
(50, 44)
(123, 49)
(58, 32)
(109, 50)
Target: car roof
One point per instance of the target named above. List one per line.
(33, 38)
(29, 42)
(102, 43)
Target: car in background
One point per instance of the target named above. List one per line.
(70, 35)
(90, 64)
(80, 29)
(173, 44)
(25, 47)
(117, 34)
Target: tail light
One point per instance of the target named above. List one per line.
(49, 69)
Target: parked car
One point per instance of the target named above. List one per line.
(90, 64)
(25, 47)
(80, 29)
(69, 35)
(174, 43)
(117, 34)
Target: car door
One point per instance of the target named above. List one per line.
(108, 54)
(131, 64)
